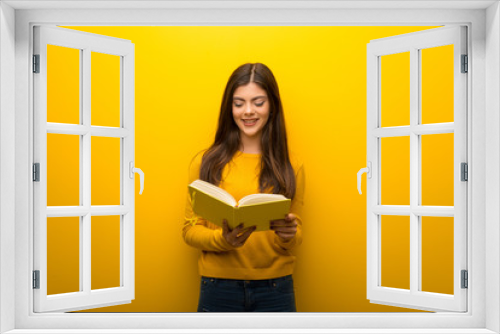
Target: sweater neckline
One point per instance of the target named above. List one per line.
(249, 155)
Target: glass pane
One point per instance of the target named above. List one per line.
(105, 252)
(437, 254)
(395, 249)
(437, 169)
(63, 255)
(105, 157)
(395, 89)
(395, 170)
(63, 170)
(63, 85)
(105, 89)
(437, 84)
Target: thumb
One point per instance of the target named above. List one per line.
(225, 229)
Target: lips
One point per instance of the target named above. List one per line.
(251, 121)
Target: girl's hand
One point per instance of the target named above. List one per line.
(238, 236)
(285, 228)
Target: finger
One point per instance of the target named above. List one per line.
(290, 217)
(246, 235)
(292, 223)
(286, 235)
(236, 229)
(252, 228)
(225, 228)
(285, 229)
(243, 231)
(277, 222)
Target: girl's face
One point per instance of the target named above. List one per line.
(250, 110)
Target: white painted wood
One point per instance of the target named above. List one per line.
(86, 165)
(245, 4)
(86, 298)
(96, 210)
(471, 322)
(75, 129)
(413, 43)
(7, 167)
(423, 129)
(406, 210)
(414, 177)
(260, 330)
(492, 169)
(128, 184)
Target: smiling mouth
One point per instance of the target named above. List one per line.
(250, 121)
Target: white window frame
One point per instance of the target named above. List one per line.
(484, 148)
(414, 43)
(123, 50)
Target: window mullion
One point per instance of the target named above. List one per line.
(85, 246)
(414, 171)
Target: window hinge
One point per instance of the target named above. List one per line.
(465, 64)
(36, 172)
(36, 63)
(36, 279)
(465, 279)
(465, 172)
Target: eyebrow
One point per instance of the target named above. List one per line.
(255, 98)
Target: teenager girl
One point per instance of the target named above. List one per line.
(240, 270)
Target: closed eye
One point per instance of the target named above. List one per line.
(257, 104)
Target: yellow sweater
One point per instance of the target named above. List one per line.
(264, 255)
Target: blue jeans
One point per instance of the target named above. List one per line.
(227, 295)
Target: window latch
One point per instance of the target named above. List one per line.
(368, 171)
(133, 170)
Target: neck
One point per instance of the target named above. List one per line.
(250, 145)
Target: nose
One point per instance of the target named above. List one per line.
(249, 109)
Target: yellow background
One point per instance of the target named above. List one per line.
(181, 73)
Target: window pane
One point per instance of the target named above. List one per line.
(105, 252)
(105, 89)
(63, 255)
(63, 170)
(105, 157)
(395, 244)
(63, 85)
(437, 254)
(395, 170)
(395, 89)
(437, 169)
(437, 84)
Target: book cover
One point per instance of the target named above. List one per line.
(213, 209)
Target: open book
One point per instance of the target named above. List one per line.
(215, 204)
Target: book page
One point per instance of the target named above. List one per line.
(215, 191)
(261, 214)
(260, 198)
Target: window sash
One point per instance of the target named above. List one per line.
(413, 298)
(86, 298)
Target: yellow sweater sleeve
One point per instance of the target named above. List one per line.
(196, 231)
(296, 208)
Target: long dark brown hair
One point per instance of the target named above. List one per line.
(276, 174)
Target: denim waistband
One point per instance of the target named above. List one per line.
(247, 283)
